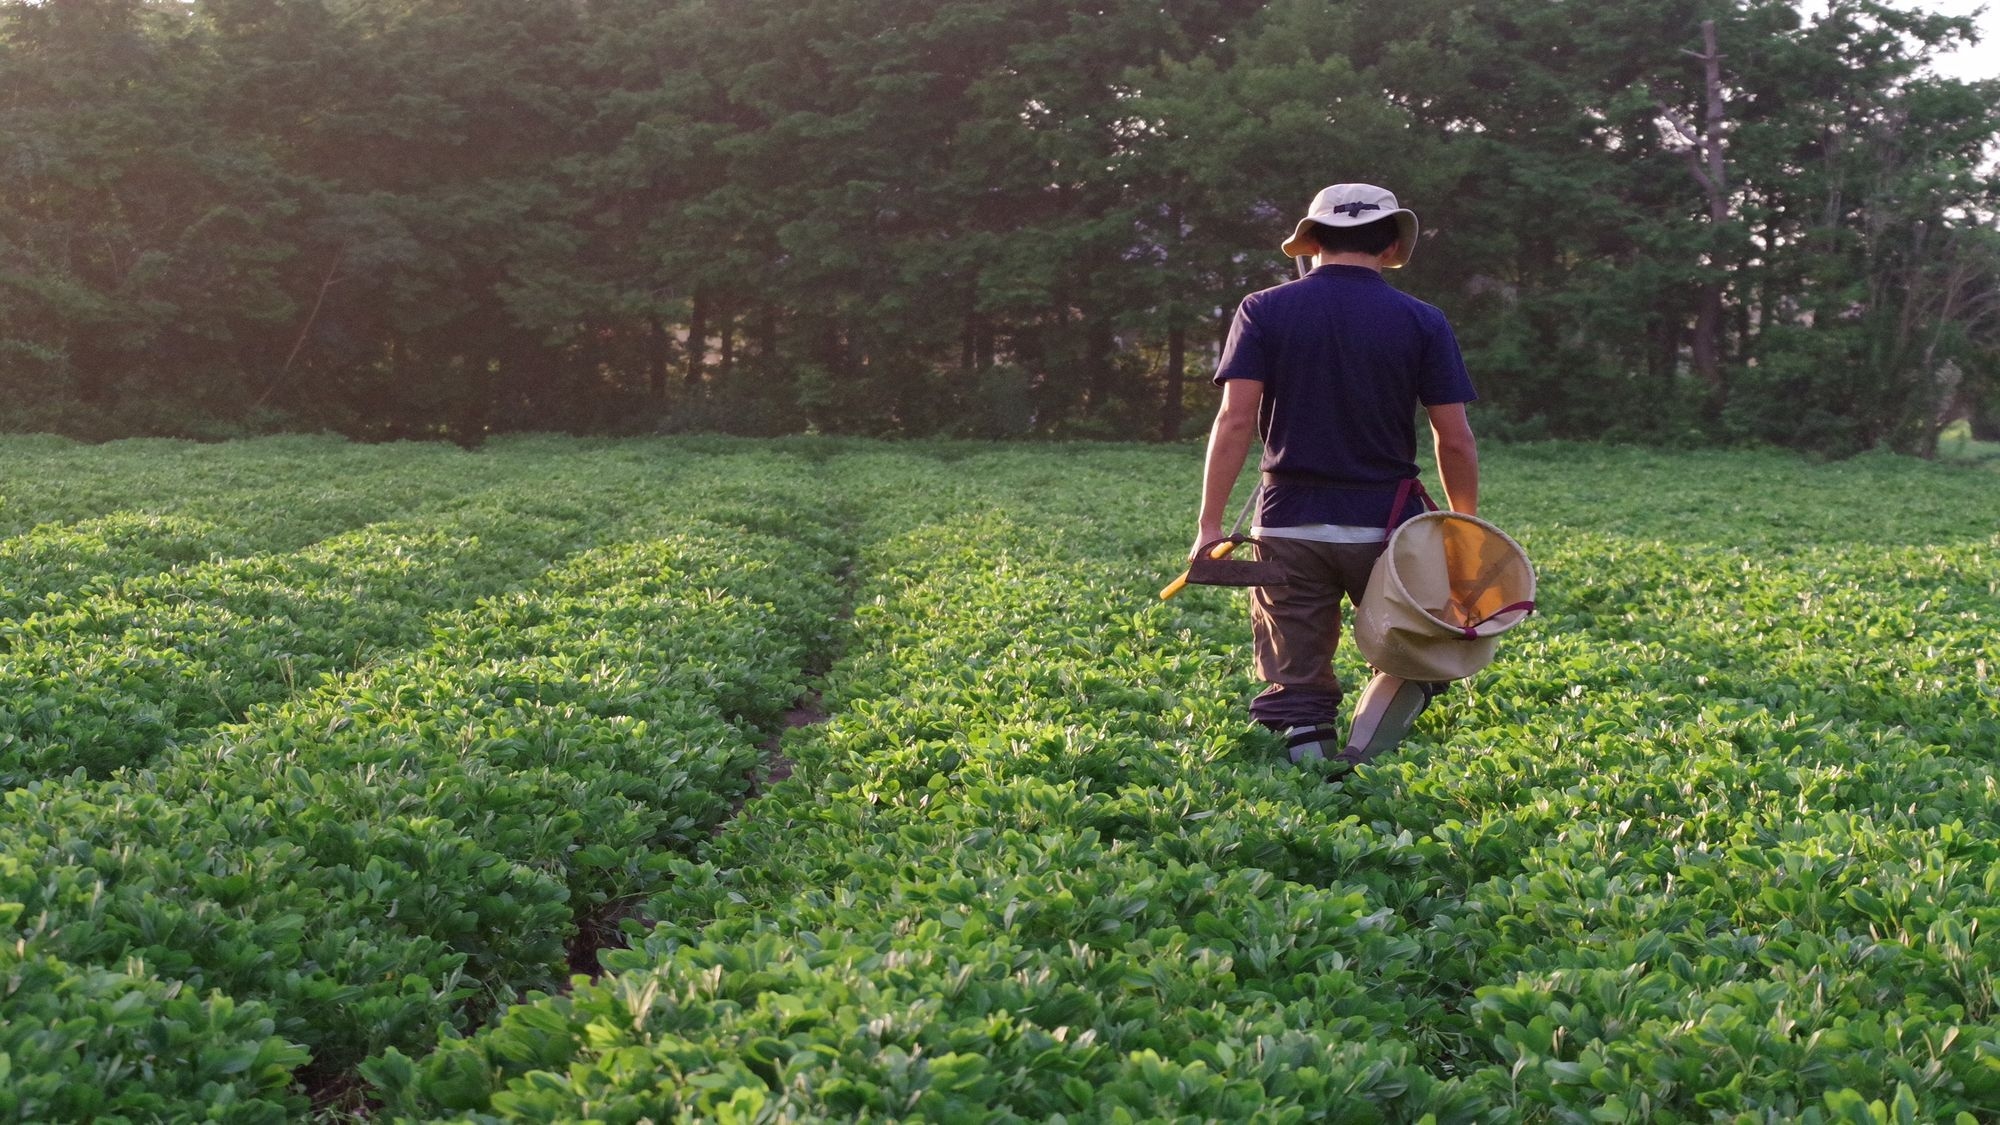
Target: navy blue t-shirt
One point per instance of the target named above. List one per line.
(1345, 359)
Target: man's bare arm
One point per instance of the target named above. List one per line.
(1457, 456)
(1228, 446)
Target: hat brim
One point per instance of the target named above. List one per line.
(1302, 245)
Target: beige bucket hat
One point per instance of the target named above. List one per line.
(1351, 205)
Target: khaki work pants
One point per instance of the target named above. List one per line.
(1296, 627)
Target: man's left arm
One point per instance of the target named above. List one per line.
(1444, 387)
(1457, 456)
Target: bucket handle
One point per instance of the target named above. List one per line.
(1471, 632)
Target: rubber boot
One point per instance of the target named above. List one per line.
(1311, 744)
(1383, 716)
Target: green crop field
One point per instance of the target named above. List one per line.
(418, 784)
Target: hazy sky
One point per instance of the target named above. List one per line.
(1982, 61)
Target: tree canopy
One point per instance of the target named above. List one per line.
(1680, 220)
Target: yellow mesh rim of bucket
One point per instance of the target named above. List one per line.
(1403, 591)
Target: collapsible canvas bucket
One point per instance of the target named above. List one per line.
(1444, 589)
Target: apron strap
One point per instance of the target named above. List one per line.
(1403, 490)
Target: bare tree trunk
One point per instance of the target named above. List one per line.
(968, 340)
(1985, 419)
(1740, 320)
(536, 392)
(656, 357)
(1767, 300)
(1705, 162)
(1951, 287)
(305, 330)
(1097, 349)
(697, 341)
(767, 334)
(1707, 340)
(1664, 356)
(832, 350)
(400, 365)
(1708, 323)
(1172, 414)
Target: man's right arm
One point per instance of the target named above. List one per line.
(1228, 447)
(1457, 456)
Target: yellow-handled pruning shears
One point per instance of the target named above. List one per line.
(1221, 550)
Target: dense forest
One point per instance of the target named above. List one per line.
(1662, 220)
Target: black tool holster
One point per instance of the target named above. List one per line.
(1234, 571)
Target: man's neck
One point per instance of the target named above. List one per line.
(1350, 258)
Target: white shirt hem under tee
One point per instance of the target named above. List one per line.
(1324, 533)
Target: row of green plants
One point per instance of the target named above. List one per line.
(403, 848)
(980, 896)
(1713, 840)
(79, 521)
(142, 663)
(1730, 841)
(275, 494)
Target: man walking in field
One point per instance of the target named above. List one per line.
(1329, 370)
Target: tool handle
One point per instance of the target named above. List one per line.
(1221, 550)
